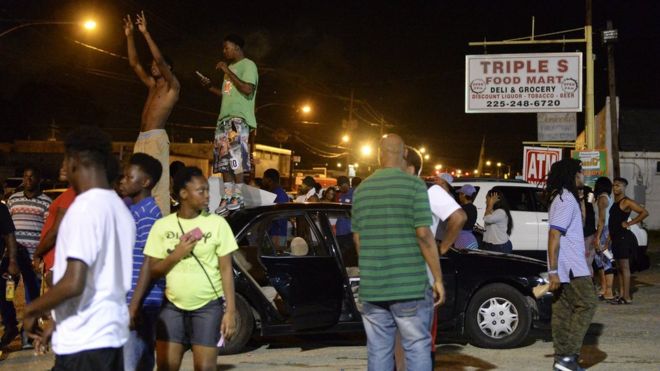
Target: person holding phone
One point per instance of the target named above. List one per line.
(192, 250)
(498, 223)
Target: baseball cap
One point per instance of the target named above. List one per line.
(467, 189)
(446, 177)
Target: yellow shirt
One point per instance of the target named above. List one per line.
(187, 287)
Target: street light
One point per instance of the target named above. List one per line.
(345, 138)
(427, 156)
(88, 25)
(339, 164)
(499, 164)
(366, 150)
(488, 163)
(422, 150)
(438, 167)
(306, 109)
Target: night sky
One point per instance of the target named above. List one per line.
(404, 61)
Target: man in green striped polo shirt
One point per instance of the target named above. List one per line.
(391, 219)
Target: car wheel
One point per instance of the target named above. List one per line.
(244, 328)
(498, 316)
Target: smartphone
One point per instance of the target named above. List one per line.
(201, 76)
(196, 234)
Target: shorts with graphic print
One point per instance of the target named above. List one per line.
(231, 148)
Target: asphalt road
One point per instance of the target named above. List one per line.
(621, 337)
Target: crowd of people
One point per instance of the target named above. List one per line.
(107, 269)
(106, 275)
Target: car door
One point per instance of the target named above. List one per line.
(446, 312)
(524, 236)
(304, 273)
(542, 217)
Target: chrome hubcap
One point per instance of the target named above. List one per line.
(497, 318)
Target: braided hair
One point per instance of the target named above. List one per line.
(562, 176)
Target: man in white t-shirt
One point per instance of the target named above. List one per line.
(444, 209)
(93, 264)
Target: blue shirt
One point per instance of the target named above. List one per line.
(565, 216)
(343, 226)
(278, 226)
(145, 213)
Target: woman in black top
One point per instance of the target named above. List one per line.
(466, 239)
(588, 224)
(622, 238)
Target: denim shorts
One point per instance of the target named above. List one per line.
(195, 327)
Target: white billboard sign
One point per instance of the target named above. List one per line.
(556, 126)
(542, 82)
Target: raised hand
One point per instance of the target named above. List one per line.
(141, 22)
(128, 25)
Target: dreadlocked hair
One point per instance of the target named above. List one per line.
(562, 176)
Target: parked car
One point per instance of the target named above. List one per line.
(294, 275)
(529, 211)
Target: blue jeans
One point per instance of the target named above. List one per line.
(139, 350)
(30, 281)
(413, 320)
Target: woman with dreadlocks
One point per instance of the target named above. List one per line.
(574, 302)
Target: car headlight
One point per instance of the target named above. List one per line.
(544, 278)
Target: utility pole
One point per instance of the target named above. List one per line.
(589, 127)
(610, 37)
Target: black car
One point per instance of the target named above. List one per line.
(296, 273)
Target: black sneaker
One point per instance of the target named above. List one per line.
(9, 336)
(566, 363)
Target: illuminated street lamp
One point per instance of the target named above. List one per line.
(88, 25)
(427, 156)
(339, 164)
(488, 163)
(345, 138)
(366, 150)
(499, 164)
(438, 167)
(476, 171)
(306, 109)
(422, 150)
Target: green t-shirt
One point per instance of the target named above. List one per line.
(234, 103)
(186, 285)
(387, 208)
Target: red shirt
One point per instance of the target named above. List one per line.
(62, 201)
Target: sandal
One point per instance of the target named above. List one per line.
(620, 301)
(613, 300)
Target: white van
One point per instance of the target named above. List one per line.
(529, 236)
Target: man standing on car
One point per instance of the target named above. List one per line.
(389, 234)
(164, 90)
(574, 302)
(236, 122)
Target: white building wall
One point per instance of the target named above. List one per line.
(641, 171)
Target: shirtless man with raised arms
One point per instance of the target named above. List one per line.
(163, 94)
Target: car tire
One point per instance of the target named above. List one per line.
(244, 328)
(498, 316)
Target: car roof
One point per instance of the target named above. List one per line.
(245, 215)
(489, 180)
